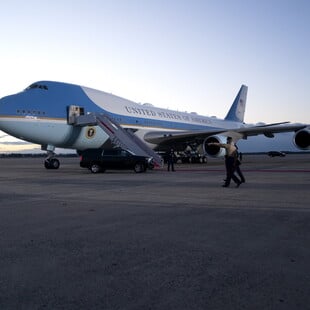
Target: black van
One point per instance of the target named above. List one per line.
(99, 160)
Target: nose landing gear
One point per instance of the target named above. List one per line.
(51, 162)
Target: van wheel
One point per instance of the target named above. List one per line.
(95, 168)
(139, 168)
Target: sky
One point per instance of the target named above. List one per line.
(184, 55)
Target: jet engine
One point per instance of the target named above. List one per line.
(213, 150)
(302, 139)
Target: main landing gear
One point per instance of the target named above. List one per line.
(51, 162)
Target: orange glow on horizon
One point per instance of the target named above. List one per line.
(6, 148)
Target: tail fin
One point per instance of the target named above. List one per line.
(237, 109)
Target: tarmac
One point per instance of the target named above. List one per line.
(71, 239)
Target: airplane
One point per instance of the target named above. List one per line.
(56, 114)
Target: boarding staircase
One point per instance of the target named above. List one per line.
(119, 136)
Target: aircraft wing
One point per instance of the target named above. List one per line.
(168, 137)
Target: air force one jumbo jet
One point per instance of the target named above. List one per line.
(55, 114)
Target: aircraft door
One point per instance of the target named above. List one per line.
(73, 111)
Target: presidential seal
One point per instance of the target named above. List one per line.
(90, 133)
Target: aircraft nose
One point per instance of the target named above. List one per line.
(3, 103)
(6, 106)
(7, 113)
(1, 113)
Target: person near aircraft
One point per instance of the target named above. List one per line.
(170, 160)
(238, 159)
(229, 161)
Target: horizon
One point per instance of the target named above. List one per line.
(255, 144)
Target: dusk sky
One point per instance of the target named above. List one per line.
(183, 55)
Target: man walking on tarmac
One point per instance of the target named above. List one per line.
(229, 161)
(170, 160)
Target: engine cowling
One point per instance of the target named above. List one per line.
(302, 139)
(213, 150)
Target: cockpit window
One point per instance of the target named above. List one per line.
(35, 85)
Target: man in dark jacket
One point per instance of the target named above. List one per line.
(229, 161)
(170, 160)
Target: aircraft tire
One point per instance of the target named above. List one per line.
(47, 164)
(51, 163)
(54, 163)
